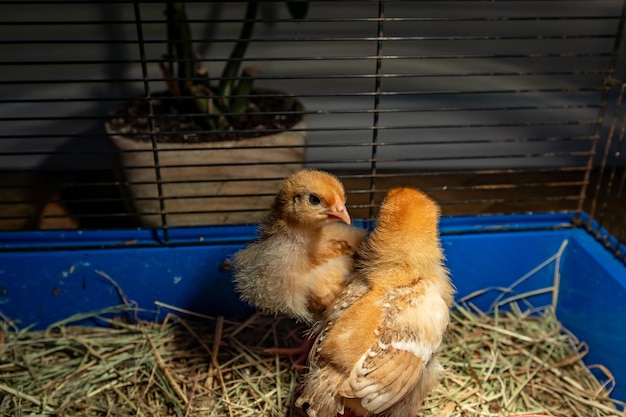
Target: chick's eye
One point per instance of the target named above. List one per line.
(314, 200)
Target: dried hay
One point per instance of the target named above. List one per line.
(498, 365)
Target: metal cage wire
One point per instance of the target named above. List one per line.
(492, 107)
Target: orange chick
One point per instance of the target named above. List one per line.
(304, 255)
(376, 352)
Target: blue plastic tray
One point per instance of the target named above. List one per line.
(48, 276)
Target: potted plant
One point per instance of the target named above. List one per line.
(218, 143)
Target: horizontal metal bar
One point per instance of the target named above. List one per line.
(405, 57)
(309, 20)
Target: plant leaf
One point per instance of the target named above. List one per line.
(243, 90)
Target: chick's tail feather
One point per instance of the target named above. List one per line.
(318, 397)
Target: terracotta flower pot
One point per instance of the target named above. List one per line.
(209, 183)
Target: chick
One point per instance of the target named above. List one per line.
(303, 257)
(376, 351)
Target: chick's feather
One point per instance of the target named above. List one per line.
(376, 352)
(304, 255)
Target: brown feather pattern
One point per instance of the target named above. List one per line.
(304, 255)
(376, 351)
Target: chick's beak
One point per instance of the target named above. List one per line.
(338, 212)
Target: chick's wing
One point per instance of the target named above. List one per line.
(383, 376)
(393, 365)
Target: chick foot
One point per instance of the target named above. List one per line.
(300, 352)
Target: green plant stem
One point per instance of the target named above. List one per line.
(184, 47)
(231, 70)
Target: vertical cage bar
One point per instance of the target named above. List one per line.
(376, 116)
(610, 222)
(148, 95)
(621, 230)
(605, 155)
(609, 82)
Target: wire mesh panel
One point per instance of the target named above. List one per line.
(605, 205)
(489, 106)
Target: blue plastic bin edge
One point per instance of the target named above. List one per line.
(49, 276)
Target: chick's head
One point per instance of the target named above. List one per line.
(311, 197)
(408, 211)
